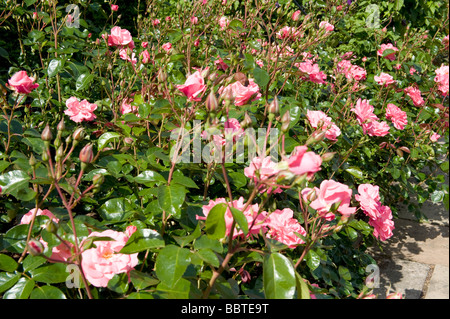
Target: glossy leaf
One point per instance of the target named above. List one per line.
(278, 277)
(143, 239)
(171, 264)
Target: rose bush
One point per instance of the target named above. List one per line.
(214, 149)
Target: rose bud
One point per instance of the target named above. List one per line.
(61, 127)
(274, 107)
(285, 121)
(51, 226)
(86, 154)
(35, 247)
(247, 122)
(46, 134)
(211, 102)
(328, 156)
(78, 135)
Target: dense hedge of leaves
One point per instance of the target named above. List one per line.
(97, 197)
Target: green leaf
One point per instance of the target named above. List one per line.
(21, 290)
(215, 226)
(171, 263)
(180, 290)
(31, 262)
(356, 172)
(208, 256)
(302, 287)
(50, 274)
(437, 196)
(344, 273)
(15, 238)
(119, 283)
(83, 81)
(170, 198)
(240, 219)
(7, 263)
(312, 259)
(115, 210)
(140, 295)
(143, 239)
(261, 77)
(13, 181)
(278, 277)
(206, 242)
(7, 280)
(142, 280)
(54, 67)
(47, 292)
(149, 176)
(105, 138)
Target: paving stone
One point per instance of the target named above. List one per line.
(404, 276)
(438, 287)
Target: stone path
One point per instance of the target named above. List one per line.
(415, 261)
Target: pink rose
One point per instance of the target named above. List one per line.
(223, 23)
(358, 73)
(193, 87)
(435, 137)
(242, 94)
(383, 224)
(296, 15)
(384, 79)
(415, 94)
(319, 119)
(288, 33)
(167, 47)
(364, 114)
(101, 263)
(282, 227)
(412, 71)
(22, 83)
(220, 64)
(126, 107)
(145, 55)
(63, 251)
(397, 116)
(388, 46)
(144, 44)
(302, 162)
(369, 199)
(313, 72)
(330, 194)
(120, 37)
(442, 78)
(326, 25)
(156, 22)
(26, 219)
(256, 222)
(114, 7)
(378, 129)
(123, 53)
(262, 169)
(80, 111)
(194, 20)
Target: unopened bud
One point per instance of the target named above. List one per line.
(78, 135)
(51, 226)
(399, 152)
(59, 153)
(285, 121)
(315, 137)
(98, 179)
(47, 134)
(247, 122)
(162, 76)
(405, 149)
(35, 247)
(326, 157)
(211, 102)
(274, 107)
(32, 161)
(86, 154)
(61, 126)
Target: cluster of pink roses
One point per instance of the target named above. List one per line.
(351, 71)
(397, 116)
(279, 225)
(415, 94)
(368, 120)
(319, 120)
(384, 79)
(99, 263)
(380, 216)
(311, 72)
(442, 79)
